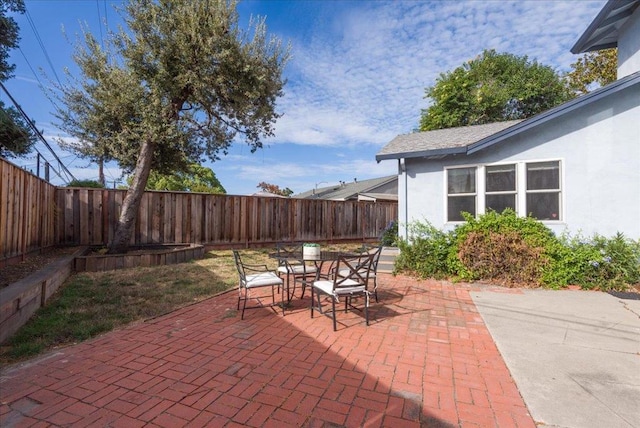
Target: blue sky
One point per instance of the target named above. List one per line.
(356, 78)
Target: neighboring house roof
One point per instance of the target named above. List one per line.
(266, 194)
(470, 139)
(602, 33)
(346, 191)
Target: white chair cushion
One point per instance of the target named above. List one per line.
(262, 279)
(349, 287)
(295, 269)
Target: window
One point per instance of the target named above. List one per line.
(528, 188)
(461, 192)
(500, 190)
(543, 190)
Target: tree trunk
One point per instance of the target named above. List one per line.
(131, 204)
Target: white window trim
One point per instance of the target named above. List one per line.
(521, 188)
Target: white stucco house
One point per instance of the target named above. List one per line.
(575, 167)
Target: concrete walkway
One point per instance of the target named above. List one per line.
(575, 355)
(427, 359)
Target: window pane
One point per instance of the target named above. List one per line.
(544, 206)
(543, 175)
(501, 178)
(499, 202)
(457, 204)
(461, 180)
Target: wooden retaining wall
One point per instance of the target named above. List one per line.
(27, 213)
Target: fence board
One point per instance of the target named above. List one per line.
(35, 214)
(27, 213)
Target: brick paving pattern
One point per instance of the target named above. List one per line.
(426, 360)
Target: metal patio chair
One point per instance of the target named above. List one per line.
(262, 277)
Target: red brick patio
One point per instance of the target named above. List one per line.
(427, 359)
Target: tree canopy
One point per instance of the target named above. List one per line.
(593, 68)
(491, 88)
(183, 82)
(16, 135)
(275, 189)
(198, 178)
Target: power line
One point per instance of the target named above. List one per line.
(38, 133)
(44, 50)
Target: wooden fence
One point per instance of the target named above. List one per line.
(35, 215)
(89, 217)
(27, 213)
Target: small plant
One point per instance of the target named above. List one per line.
(389, 236)
(310, 245)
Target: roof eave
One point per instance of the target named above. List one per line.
(422, 154)
(588, 40)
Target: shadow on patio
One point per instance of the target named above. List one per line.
(427, 359)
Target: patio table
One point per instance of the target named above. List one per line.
(319, 261)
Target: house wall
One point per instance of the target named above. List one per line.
(629, 46)
(599, 149)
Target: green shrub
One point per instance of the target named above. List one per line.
(425, 252)
(500, 246)
(389, 236)
(514, 250)
(85, 183)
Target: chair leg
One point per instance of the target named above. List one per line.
(244, 303)
(375, 288)
(333, 304)
(312, 301)
(366, 307)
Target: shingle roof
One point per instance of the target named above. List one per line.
(342, 192)
(440, 141)
(602, 33)
(461, 140)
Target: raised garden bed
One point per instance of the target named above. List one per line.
(146, 255)
(19, 300)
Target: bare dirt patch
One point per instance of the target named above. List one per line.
(31, 264)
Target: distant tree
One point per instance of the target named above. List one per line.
(493, 87)
(593, 68)
(85, 183)
(197, 179)
(275, 189)
(16, 135)
(182, 82)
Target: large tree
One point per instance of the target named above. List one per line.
(16, 135)
(183, 81)
(491, 88)
(593, 69)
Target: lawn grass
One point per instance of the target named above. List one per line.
(92, 303)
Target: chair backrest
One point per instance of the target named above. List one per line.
(239, 266)
(288, 250)
(375, 251)
(356, 268)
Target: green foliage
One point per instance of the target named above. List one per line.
(491, 88)
(183, 76)
(9, 35)
(425, 251)
(599, 68)
(512, 250)
(16, 135)
(197, 178)
(500, 246)
(85, 183)
(389, 236)
(275, 189)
